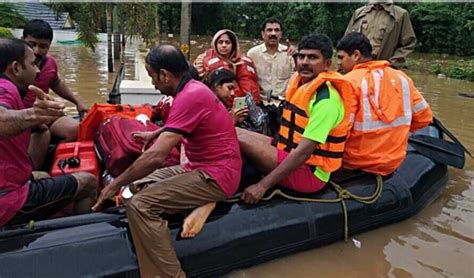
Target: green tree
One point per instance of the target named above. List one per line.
(444, 27)
(5, 33)
(9, 18)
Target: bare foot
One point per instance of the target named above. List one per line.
(194, 222)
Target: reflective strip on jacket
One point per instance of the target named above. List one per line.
(389, 107)
(295, 117)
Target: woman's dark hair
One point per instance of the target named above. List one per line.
(317, 41)
(355, 41)
(219, 77)
(167, 57)
(38, 29)
(12, 50)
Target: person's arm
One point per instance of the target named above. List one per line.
(324, 117)
(63, 91)
(14, 122)
(422, 114)
(44, 110)
(247, 80)
(293, 161)
(406, 43)
(199, 65)
(351, 22)
(148, 162)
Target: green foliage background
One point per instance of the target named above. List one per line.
(440, 27)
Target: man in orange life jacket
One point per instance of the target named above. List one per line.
(313, 129)
(388, 108)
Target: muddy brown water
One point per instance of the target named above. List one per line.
(438, 242)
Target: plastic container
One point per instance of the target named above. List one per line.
(75, 157)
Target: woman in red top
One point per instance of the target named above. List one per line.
(225, 53)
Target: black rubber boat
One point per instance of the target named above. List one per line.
(236, 235)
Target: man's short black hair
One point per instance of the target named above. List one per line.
(271, 20)
(38, 29)
(317, 41)
(12, 50)
(219, 77)
(167, 57)
(355, 41)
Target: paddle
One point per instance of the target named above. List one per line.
(439, 124)
(439, 150)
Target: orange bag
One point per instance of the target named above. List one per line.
(100, 112)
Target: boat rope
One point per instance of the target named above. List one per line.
(342, 196)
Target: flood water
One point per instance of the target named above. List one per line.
(438, 242)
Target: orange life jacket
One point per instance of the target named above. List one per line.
(244, 70)
(389, 107)
(327, 156)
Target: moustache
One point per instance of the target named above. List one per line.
(273, 37)
(305, 67)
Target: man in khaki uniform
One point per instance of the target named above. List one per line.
(389, 29)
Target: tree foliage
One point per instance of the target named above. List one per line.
(9, 18)
(5, 33)
(440, 27)
(444, 27)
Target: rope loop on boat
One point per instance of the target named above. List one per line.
(342, 196)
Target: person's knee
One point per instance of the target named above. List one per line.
(66, 128)
(243, 136)
(71, 134)
(86, 183)
(137, 204)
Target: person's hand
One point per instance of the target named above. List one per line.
(106, 193)
(82, 109)
(43, 127)
(253, 193)
(239, 114)
(290, 49)
(198, 65)
(144, 136)
(45, 108)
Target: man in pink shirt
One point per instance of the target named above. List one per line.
(23, 198)
(198, 120)
(38, 34)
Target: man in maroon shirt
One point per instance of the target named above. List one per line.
(198, 120)
(23, 198)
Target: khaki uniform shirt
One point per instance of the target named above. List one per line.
(389, 29)
(273, 71)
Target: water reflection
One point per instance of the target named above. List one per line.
(438, 242)
(86, 72)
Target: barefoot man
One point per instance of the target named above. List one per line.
(200, 121)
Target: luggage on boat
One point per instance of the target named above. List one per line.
(100, 112)
(117, 148)
(75, 157)
(115, 144)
